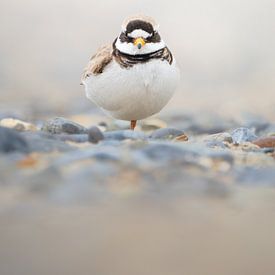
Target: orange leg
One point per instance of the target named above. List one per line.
(133, 124)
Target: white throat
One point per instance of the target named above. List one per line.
(130, 48)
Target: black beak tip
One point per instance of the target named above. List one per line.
(139, 46)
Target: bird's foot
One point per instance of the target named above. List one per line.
(133, 124)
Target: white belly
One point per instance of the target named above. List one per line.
(134, 93)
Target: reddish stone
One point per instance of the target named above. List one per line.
(265, 142)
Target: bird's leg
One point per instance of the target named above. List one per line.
(133, 124)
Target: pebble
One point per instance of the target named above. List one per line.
(241, 135)
(167, 133)
(61, 125)
(11, 141)
(265, 142)
(17, 124)
(95, 135)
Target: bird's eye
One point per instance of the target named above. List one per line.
(155, 37)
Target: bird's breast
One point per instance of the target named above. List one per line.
(143, 88)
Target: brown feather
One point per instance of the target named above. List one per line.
(98, 62)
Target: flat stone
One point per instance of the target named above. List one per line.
(61, 125)
(11, 141)
(241, 135)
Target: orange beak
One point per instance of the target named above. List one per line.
(139, 42)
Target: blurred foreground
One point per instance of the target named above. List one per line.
(143, 202)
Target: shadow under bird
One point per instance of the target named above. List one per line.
(135, 76)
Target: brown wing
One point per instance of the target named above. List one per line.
(98, 62)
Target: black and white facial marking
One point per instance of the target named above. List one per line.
(136, 29)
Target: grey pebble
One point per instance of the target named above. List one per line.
(241, 135)
(61, 125)
(11, 141)
(95, 135)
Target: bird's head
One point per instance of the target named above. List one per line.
(139, 35)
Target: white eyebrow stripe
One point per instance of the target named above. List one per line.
(139, 33)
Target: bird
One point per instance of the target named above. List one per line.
(135, 76)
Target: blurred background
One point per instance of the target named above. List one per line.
(225, 50)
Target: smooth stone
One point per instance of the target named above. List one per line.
(265, 142)
(166, 133)
(241, 135)
(181, 138)
(11, 141)
(95, 135)
(61, 125)
(17, 124)
(124, 134)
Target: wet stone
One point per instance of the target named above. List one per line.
(241, 135)
(61, 125)
(166, 133)
(11, 141)
(95, 135)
